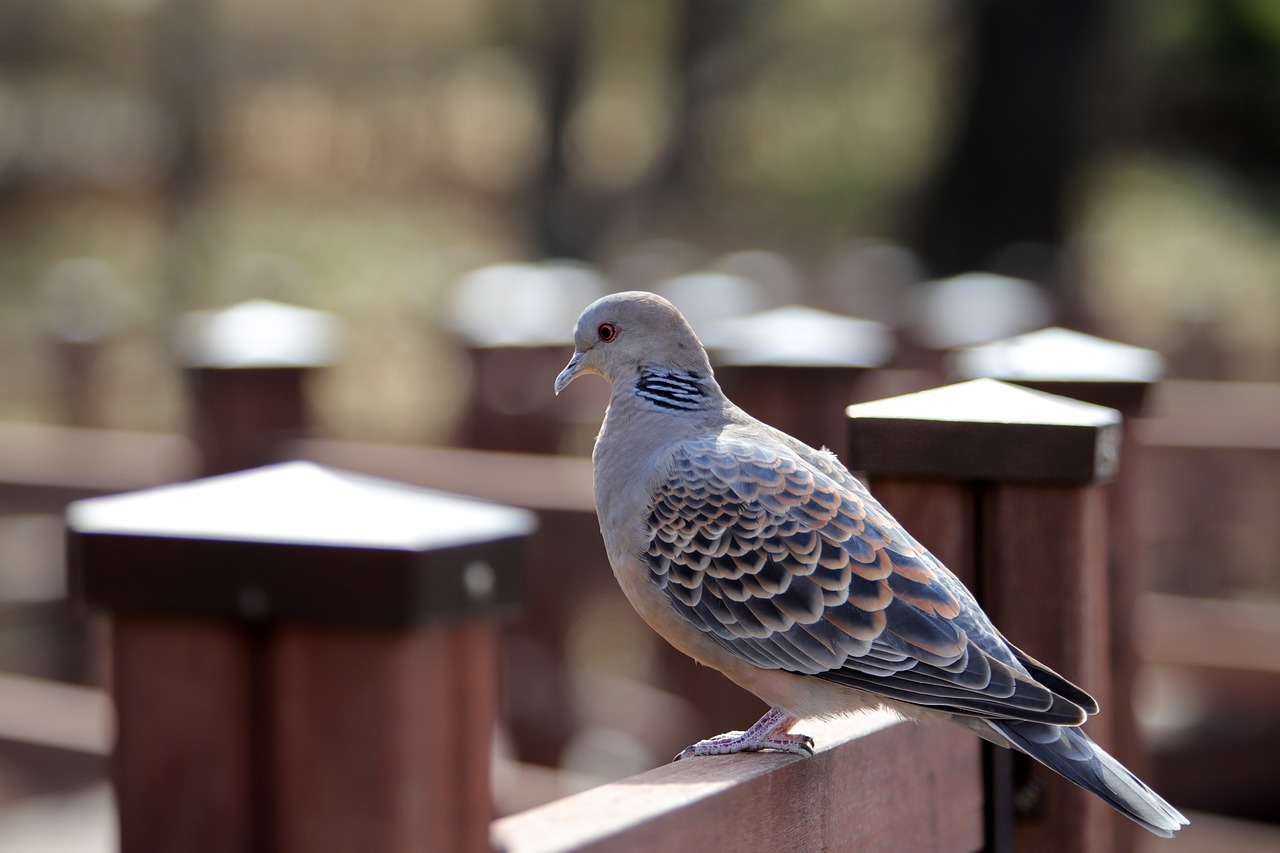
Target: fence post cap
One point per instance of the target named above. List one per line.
(708, 296)
(523, 304)
(1066, 362)
(297, 541)
(985, 429)
(1062, 354)
(977, 306)
(799, 336)
(259, 333)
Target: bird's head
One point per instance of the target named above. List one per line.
(619, 334)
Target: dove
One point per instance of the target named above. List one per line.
(765, 559)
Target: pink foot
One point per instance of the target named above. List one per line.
(769, 733)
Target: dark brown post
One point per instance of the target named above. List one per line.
(1070, 364)
(795, 368)
(304, 659)
(247, 368)
(515, 323)
(1106, 373)
(512, 407)
(83, 304)
(1004, 484)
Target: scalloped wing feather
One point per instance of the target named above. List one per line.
(789, 563)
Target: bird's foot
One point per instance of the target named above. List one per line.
(769, 733)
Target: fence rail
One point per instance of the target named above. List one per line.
(875, 784)
(978, 516)
(313, 730)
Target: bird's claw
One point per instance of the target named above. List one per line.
(770, 733)
(727, 744)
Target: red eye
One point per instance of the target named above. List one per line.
(607, 332)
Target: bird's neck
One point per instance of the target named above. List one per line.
(651, 410)
(674, 389)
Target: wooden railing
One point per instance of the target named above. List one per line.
(1004, 483)
(276, 692)
(876, 784)
(958, 516)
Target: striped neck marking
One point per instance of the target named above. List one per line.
(680, 390)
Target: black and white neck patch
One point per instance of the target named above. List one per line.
(681, 390)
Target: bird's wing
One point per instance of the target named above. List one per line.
(791, 568)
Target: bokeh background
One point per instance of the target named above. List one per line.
(401, 165)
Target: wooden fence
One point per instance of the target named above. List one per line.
(989, 476)
(971, 516)
(268, 701)
(302, 659)
(876, 785)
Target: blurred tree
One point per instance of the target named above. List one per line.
(565, 220)
(1023, 131)
(1213, 90)
(703, 31)
(185, 70)
(27, 30)
(568, 217)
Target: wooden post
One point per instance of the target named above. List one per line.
(83, 302)
(1106, 373)
(1067, 363)
(795, 368)
(538, 711)
(304, 659)
(247, 369)
(515, 323)
(1004, 484)
(512, 408)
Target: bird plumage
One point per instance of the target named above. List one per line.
(767, 560)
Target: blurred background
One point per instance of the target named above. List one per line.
(451, 182)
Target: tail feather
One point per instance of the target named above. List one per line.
(1070, 752)
(1055, 682)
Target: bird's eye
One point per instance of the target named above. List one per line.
(607, 332)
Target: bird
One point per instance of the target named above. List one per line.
(767, 560)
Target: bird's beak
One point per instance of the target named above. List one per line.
(570, 372)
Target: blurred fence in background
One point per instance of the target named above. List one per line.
(588, 694)
(409, 179)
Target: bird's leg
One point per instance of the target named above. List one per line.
(770, 732)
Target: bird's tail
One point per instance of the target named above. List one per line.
(1070, 751)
